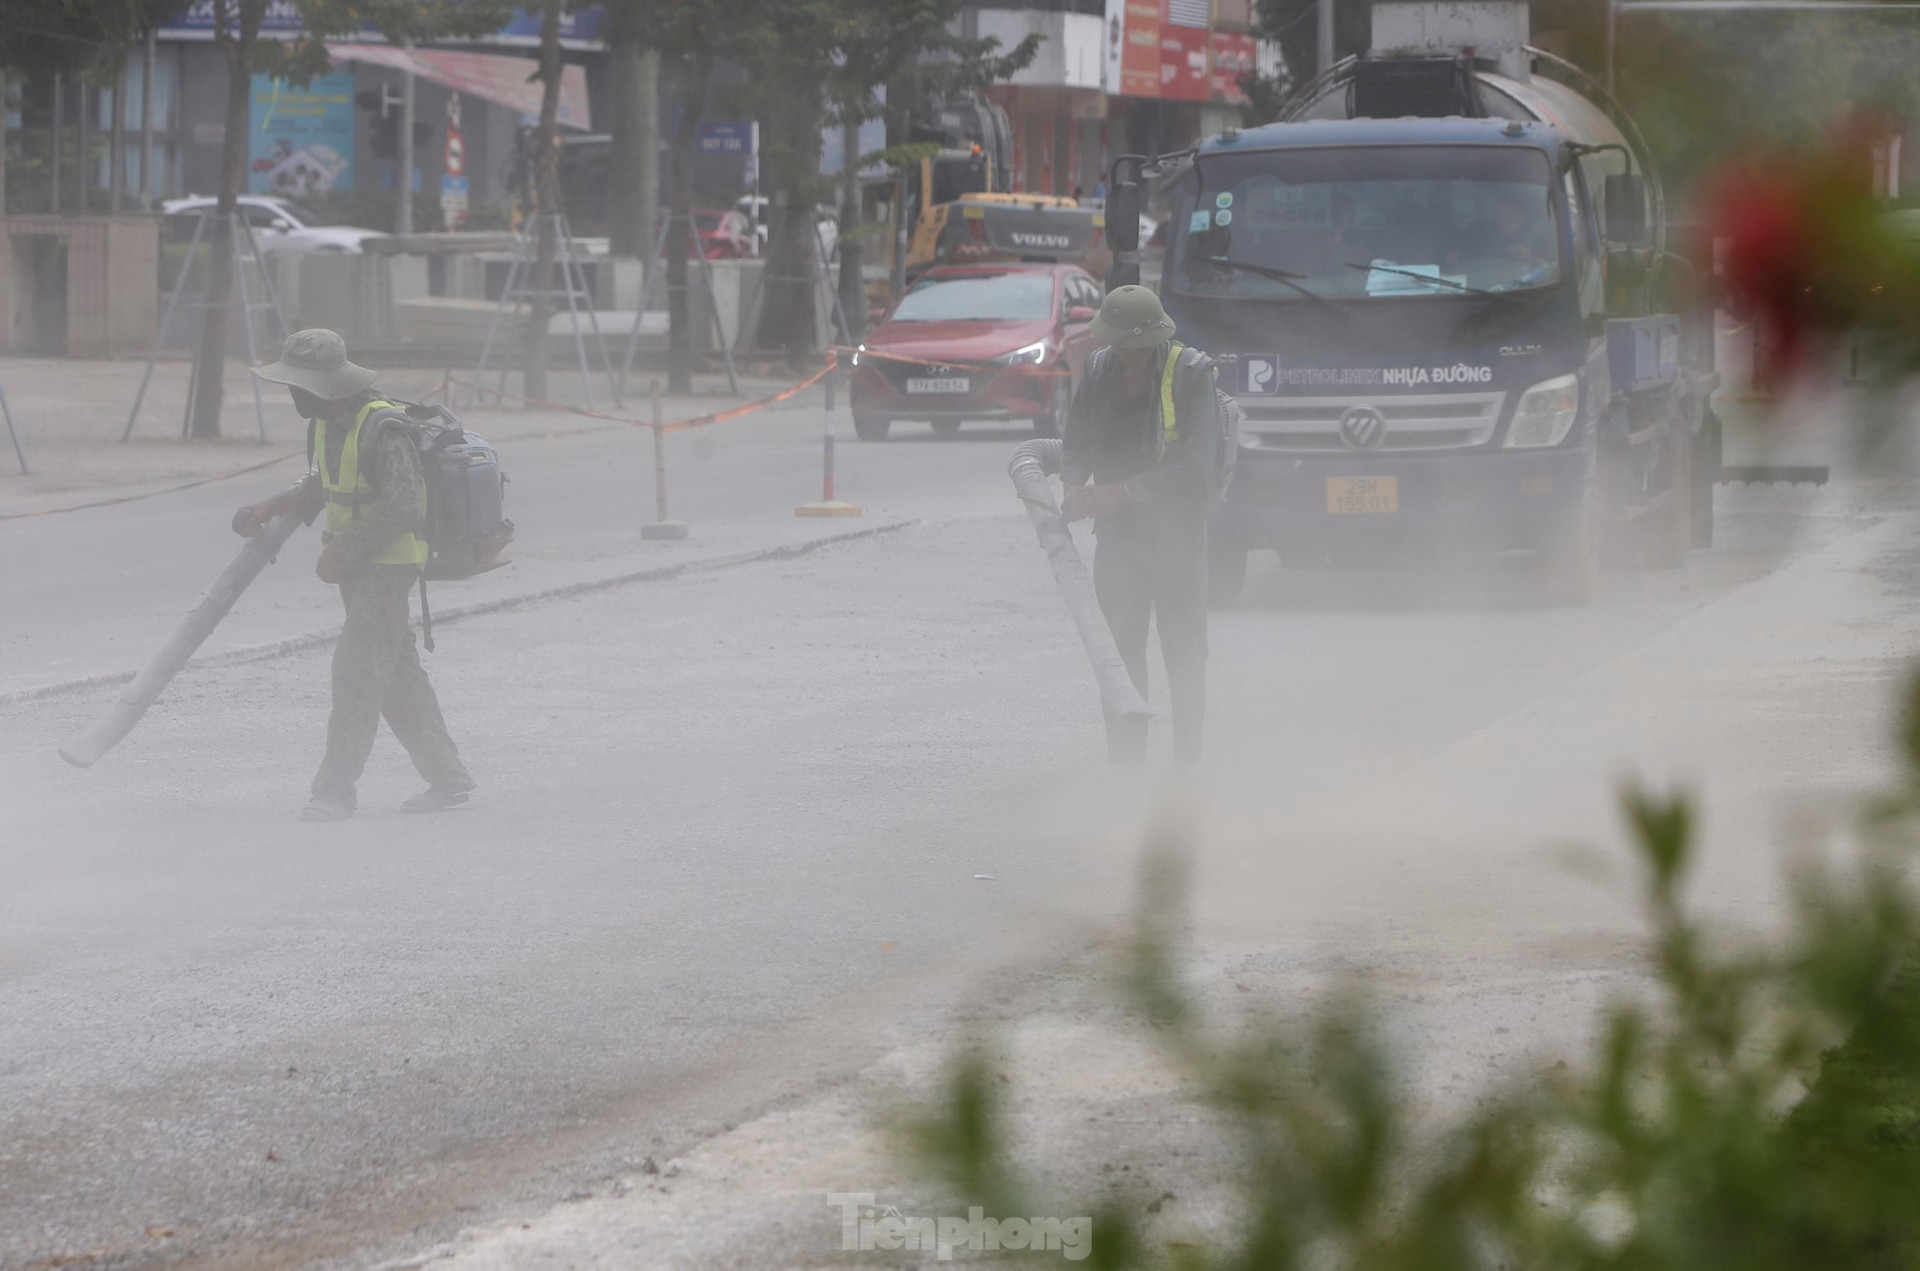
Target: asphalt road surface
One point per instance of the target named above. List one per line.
(739, 831)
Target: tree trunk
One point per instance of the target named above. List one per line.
(546, 201)
(693, 96)
(647, 221)
(793, 255)
(624, 237)
(853, 287)
(209, 375)
(117, 144)
(3, 141)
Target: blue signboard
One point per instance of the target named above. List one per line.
(724, 138)
(300, 140)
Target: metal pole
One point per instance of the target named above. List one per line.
(1325, 20)
(659, 454)
(147, 186)
(593, 313)
(83, 157)
(713, 307)
(403, 206)
(661, 528)
(59, 128)
(826, 474)
(117, 146)
(655, 264)
(564, 250)
(14, 434)
(828, 505)
(166, 319)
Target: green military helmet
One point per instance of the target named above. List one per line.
(316, 360)
(1131, 318)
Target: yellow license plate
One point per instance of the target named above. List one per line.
(1363, 494)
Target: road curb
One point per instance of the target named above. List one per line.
(320, 639)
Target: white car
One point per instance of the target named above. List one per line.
(826, 218)
(278, 225)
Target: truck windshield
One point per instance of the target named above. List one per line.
(1371, 221)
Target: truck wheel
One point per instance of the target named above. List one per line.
(1570, 558)
(1226, 572)
(1055, 420)
(1706, 474)
(946, 427)
(867, 428)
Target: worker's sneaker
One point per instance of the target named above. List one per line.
(436, 799)
(321, 808)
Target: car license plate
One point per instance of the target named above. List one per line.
(1363, 494)
(941, 384)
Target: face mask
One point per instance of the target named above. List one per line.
(309, 406)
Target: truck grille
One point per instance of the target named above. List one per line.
(1442, 421)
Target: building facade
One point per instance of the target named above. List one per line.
(1115, 77)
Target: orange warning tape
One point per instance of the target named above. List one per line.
(446, 383)
(671, 426)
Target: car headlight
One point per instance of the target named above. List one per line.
(1546, 413)
(1032, 355)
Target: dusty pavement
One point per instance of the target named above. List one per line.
(99, 589)
(721, 902)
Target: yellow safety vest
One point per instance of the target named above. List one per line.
(347, 488)
(1169, 425)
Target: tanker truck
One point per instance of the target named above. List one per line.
(1444, 292)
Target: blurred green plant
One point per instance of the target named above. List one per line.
(1680, 1142)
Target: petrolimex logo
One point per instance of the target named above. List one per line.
(1264, 376)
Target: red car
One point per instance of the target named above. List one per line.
(1003, 341)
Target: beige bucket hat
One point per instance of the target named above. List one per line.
(316, 360)
(1131, 318)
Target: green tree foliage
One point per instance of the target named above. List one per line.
(690, 38)
(1294, 26)
(236, 33)
(1707, 87)
(823, 62)
(1664, 1149)
(65, 37)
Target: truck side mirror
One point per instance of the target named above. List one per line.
(1123, 204)
(1625, 214)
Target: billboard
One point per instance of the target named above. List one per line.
(300, 140)
(1183, 63)
(1140, 58)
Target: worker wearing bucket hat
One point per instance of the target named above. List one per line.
(369, 482)
(1141, 449)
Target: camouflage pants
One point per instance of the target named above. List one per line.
(377, 672)
(1162, 580)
